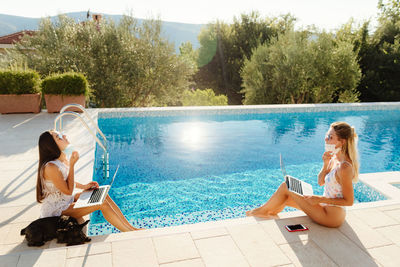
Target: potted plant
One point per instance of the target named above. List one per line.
(19, 91)
(62, 89)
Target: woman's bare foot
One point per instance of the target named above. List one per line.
(249, 213)
(258, 212)
(254, 212)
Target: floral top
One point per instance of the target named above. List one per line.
(54, 202)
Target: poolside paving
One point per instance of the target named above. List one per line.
(370, 235)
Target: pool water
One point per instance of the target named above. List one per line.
(187, 169)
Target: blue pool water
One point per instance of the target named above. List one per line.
(188, 169)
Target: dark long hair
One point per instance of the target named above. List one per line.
(48, 151)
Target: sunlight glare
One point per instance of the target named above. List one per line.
(193, 135)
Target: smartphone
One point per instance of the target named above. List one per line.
(296, 227)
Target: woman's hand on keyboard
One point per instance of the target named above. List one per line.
(91, 185)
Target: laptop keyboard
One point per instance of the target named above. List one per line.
(96, 194)
(295, 185)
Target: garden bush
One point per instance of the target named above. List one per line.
(19, 82)
(70, 83)
(205, 97)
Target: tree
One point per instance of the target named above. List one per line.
(212, 69)
(379, 56)
(299, 68)
(389, 10)
(126, 65)
(224, 47)
(188, 54)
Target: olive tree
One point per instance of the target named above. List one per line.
(126, 64)
(300, 67)
(224, 48)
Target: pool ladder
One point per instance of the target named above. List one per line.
(103, 145)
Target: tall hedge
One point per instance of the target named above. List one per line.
(70, 83)
(19, 82)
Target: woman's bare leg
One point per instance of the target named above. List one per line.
(117, 210)
(328, 216)
(274, 205)
(108, 212)
(288, 203)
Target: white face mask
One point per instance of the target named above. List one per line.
(332, 148)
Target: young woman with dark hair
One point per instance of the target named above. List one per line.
(56, 183)
(340, 169)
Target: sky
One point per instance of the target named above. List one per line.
(325, 14)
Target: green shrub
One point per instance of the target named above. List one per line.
(69, 83)
(296, 69)
(205, 97)
(19, 82)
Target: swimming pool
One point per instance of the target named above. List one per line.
(187, 169)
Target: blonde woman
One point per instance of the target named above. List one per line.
(339, 171)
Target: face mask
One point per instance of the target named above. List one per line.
(332, 148)
(68, 150)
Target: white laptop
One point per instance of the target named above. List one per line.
(295, 185)
(96, 196)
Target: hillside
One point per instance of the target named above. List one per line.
(176, 32)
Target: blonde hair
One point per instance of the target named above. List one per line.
(344, 131)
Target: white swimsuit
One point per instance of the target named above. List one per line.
(54, 202)
(332, 188)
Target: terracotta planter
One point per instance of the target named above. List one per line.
(25, 103)
(54, 103)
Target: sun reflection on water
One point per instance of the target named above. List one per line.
(193, 135)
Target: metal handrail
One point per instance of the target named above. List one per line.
(86, 114)
(83, 122)
(103, 146)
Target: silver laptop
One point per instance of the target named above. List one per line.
(96, 196)
(295, 185)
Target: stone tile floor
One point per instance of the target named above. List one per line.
(370, 235)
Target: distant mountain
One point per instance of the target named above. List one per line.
(176, 32)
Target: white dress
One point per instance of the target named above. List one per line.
(55, 202)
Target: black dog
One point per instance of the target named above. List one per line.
(72, 234)
(65, 228)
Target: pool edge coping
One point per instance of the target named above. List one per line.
(239, 109)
